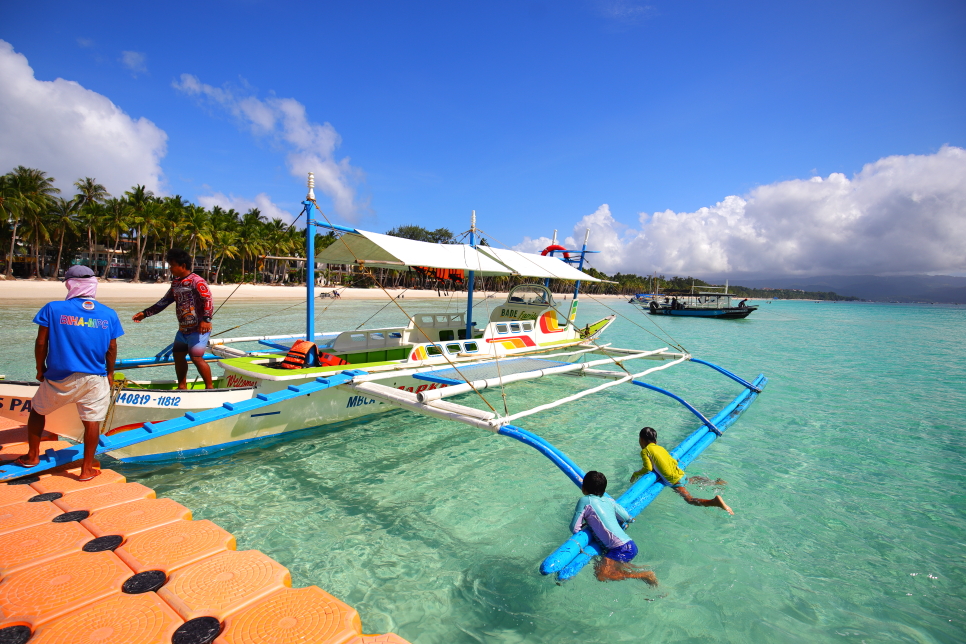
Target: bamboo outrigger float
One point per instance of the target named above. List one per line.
(419, 367)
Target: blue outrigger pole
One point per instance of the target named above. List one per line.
(309, 204)
(470, 278)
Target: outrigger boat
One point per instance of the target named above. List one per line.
(420, 367)
(713, 302)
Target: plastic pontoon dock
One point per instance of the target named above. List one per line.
(105, 561)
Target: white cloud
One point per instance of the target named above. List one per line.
(71, 132)
(261, 201)
(311, 146)
(901, 214)
(86, 43)
(135, 61)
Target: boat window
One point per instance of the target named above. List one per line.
(471, 347)
(447, 334)
(527, 326)
(357, 337)
(514, 327)
(501, 328)
(377, 336)
(456, 318)
(442, 319)
(426, 319)
(395, 335)
(534, 294)
(433, 350)
(453, 348)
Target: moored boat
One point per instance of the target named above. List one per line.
(713, 302)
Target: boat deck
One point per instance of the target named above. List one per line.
(106, 561)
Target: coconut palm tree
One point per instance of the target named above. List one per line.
(116, 222)
(225, 245)
(250, 242)
(63, 221)
(90, 194)
(33, 193)
(138, 199)
(89, 191)
(6, 211)
(196, 225)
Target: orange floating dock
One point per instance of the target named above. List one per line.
(105, 561)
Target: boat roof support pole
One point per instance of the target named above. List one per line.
(309, 204)
(558, 458)
(580, 265)
(470, 278)
(684, 402)
(737, 379)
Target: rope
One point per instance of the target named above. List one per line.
(378, 283)
(377, 312)
(571, 324)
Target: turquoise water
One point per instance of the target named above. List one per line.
(846, 477)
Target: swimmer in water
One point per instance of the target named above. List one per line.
(665, 466)
(602, 515)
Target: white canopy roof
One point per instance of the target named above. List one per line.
(387, 251)
(535, 265)
(375, 249)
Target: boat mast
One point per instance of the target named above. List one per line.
(469, 282)
(580, 265)
(309, 204)
(553, 242)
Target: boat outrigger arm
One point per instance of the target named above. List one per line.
(420, 367)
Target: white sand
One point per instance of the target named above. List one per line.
(121, 291)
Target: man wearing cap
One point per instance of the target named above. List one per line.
(75, 351)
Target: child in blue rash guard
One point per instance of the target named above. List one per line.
(602, 514)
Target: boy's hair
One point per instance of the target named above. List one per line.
(178, 256)
(649, 435)
(595, 483)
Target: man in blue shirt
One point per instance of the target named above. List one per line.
(75, 351)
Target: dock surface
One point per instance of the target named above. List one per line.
(106, 561)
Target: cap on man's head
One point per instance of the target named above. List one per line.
(79, 272)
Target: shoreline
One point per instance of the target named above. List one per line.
(120, 291)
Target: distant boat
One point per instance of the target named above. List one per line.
(714, 302)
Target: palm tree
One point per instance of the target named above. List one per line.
(33, 193)
(197, 226)
(63, 220)
(145, 225)
(6, 210)
(89, 191)
(250, 241)
(90, 195)
(224, 242)
(115, 223)
(139, 199)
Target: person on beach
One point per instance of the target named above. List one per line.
(657, 459)
(603, 515)
(194, 309)
(75, 351)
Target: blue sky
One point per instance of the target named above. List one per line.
(536, 114)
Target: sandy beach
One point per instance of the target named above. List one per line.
(122, 291)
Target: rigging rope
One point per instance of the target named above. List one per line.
(369, 273)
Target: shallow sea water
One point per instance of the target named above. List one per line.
(846, 477)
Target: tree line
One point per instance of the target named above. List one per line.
(229, 246)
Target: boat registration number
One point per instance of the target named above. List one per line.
(128, 398)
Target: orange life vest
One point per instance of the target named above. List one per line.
(298, 355)
(329, 360)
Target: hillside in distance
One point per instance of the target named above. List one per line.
(903, 288)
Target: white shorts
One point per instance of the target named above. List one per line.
(91, 394)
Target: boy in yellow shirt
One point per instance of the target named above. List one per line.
(666, 468)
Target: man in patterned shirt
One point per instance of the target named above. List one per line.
(194, 308)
